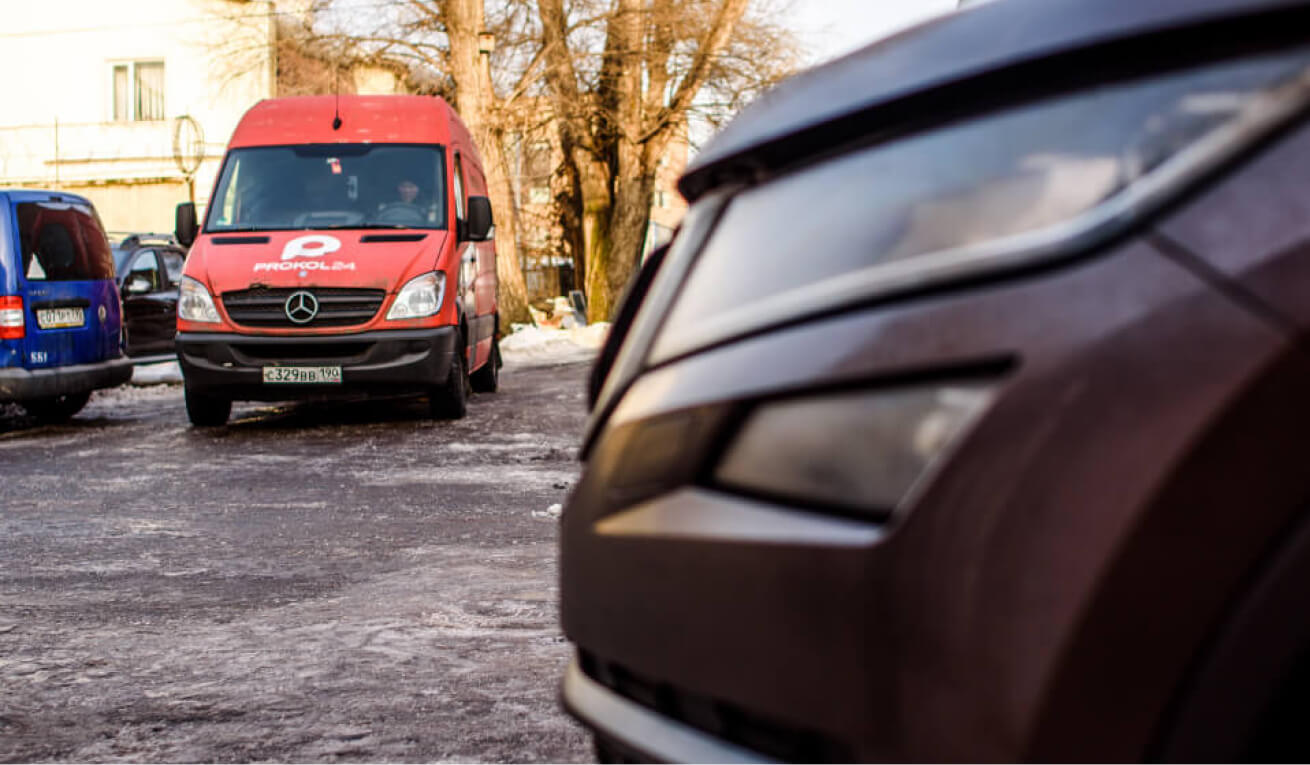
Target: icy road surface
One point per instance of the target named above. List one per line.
(311, 583)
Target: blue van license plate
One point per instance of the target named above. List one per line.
(60, 318)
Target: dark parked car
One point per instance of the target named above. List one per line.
(148, 267)
(966, 416)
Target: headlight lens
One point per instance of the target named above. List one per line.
(194, 303)
(861, 452)
(420, 297)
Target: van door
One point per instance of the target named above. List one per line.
(468, 259)
(67, 282)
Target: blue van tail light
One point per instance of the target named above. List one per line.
(861, 452)
(11, 318)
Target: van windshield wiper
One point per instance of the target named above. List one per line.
(365, 226)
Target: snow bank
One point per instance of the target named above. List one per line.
(167, 372)
(536, 345)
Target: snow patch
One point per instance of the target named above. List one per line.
(166, 372)
(511, 477)
(537, 345)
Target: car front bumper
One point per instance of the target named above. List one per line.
(381, 363)
(645, 734)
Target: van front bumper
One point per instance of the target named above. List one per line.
(388, 362)
(29, 384)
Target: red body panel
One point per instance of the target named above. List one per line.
(376, 265)
(364, 119)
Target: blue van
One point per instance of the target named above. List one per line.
(60, 315)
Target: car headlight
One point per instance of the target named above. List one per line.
(421, 296)
(860, 452)
(194, 303)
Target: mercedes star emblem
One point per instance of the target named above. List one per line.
(302, 307)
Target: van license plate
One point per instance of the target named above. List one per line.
(59, 318)
(302, 375)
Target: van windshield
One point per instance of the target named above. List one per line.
(317, 186)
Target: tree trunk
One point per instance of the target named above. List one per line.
(621, 128)
(597, 210)
(569, 210)
(616, 242)
(512, 293)
(475, 100)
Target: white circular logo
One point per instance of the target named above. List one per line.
(312, 246)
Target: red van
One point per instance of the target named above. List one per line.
(348, 248)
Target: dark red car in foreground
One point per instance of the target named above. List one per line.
(968, 415)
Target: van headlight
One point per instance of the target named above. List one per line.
(194, 303)
(857, 452)
(421, 296)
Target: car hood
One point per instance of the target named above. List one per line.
(950, 49)
(367, 259)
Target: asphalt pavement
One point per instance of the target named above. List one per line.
(313, 582)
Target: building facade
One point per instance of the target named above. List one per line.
(130, 102)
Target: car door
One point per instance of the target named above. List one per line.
(148, 306)
(173, 260)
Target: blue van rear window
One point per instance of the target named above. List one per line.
(62, 242)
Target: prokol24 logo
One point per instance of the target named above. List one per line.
(310, 246)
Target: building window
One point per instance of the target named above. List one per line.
(138, 91)
(660, 200)
(122, 106)
(536, 172)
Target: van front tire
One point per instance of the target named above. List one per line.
(450, 400)
(207, 411)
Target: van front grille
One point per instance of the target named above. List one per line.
(337, 307)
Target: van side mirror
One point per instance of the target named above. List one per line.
(185, 227)
(479, 225)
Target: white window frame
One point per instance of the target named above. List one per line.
(132, 96)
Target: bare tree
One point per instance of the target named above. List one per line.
(619, 80)
(442, 46)
(471, 46)
(625, 77)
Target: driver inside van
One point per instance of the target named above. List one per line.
(406, 207)
(407, 190)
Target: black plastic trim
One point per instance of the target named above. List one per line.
(381, 238)
(240, 240)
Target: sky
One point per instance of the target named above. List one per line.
(830, 28)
